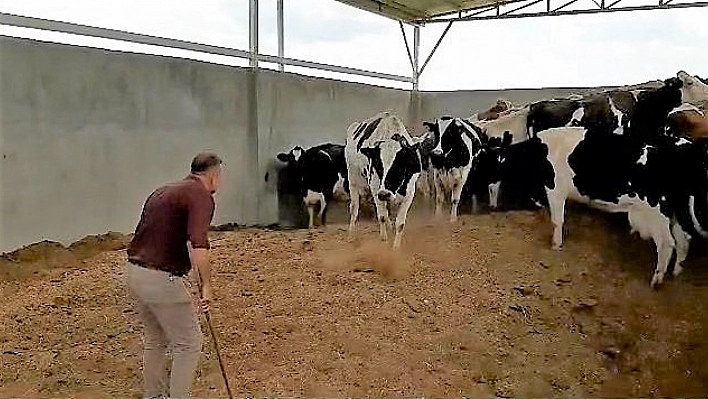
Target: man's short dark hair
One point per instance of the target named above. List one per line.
(204, 161)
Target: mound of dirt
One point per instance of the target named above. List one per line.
(38, 258)
(370, 255)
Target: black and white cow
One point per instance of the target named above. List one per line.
(318, 174)
(512, 169)
(383, 160)
(546, 114)
(457, 146)
(620, 173)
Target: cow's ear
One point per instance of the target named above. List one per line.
(401, 140)
(675, 83)
(369, 152)
(506, 141)
(283, 157)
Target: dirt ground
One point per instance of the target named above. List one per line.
(481, 307)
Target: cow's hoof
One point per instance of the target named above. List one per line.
(557, 247)
(677, 270)
(656, 281)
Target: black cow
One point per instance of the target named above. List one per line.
(316, 175)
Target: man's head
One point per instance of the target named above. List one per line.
(207, 166)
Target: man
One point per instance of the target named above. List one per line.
(175, 217)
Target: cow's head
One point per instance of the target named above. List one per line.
(445, 129)
(491, 164)
(693, 90)
(291, 157)
(394, 161)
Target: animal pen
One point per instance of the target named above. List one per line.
(476, 308)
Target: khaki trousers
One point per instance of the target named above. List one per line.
(170, 322)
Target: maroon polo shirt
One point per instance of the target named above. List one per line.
(172, 215)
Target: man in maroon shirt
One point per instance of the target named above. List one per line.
(175, 217)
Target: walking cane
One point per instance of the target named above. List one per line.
(216, 344)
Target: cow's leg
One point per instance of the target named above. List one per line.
(556, 205)
(439, 193)
(494, 189)
(311, 213)
(382, 216)
(323, 206)
(475, 204)
(651, 223)
(458, 182)
(683, 242)
(354, 198)
(402, 213)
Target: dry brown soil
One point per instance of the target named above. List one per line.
(482, 307)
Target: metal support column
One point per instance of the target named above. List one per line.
(253, 33)
(281, 35)
(416, 56)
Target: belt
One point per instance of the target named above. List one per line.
(151, 267)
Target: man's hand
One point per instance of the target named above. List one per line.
(206, 296)
(200, 262)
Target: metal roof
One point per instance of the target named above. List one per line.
(421, 12)
(418, 11)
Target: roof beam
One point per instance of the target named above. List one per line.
(550, 12)
(388, 9)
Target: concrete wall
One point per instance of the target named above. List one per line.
(87, 134)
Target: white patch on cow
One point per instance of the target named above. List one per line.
(643, 218)
(645, 155)
(577, 117)
(619, 115)
(686, 107)
(442, 126)
(694, 219)
(683, 242)
(338, 191)
(297, 153)
(494, 194)
(311, 199)
(514, 122)
(327, 154)
(682, 141)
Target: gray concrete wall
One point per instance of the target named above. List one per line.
(87, 134)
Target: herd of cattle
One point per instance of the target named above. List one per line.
(641, 151)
